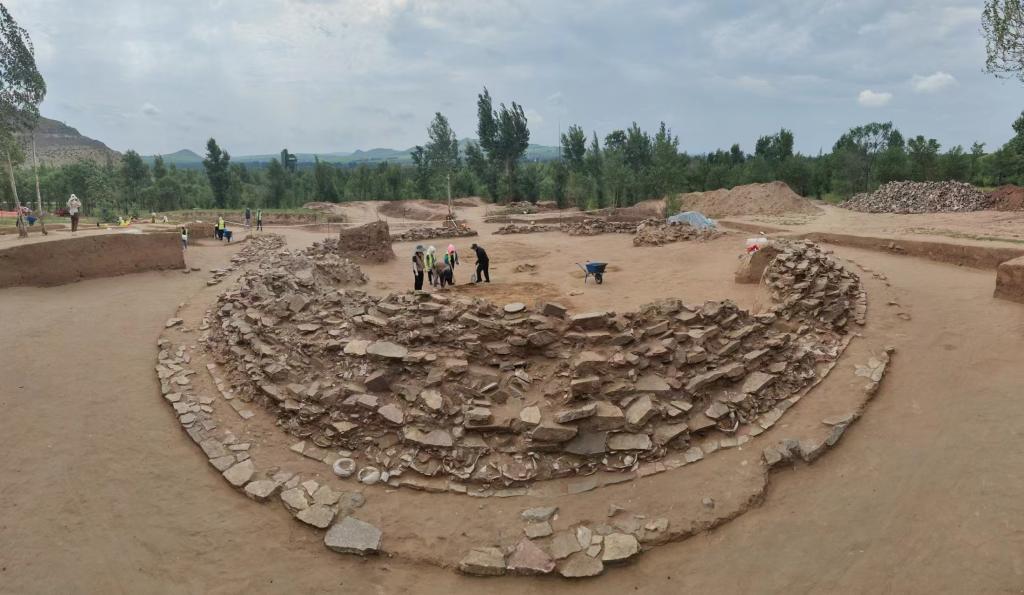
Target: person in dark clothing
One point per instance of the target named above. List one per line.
(483, 264)
(259, 219)
(418, 267)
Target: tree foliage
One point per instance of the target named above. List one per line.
(217, 164)
(1002, 26)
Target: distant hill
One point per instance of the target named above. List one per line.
(186, 158)
(59, 144)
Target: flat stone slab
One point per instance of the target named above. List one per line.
(238, 475)
(353, 536)
(318, 515)
(261, 489)
(581, 565)
(484, 561)
(528, 558)
(619, 547)
(387, 350)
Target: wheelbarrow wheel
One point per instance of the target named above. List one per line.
(599, 277)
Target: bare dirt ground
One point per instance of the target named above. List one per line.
(986, 228)
(105, 494)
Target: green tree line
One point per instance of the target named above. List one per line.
(628, 165)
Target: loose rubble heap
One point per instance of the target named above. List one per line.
(657, 232)
(592, 226)
(254, 247)
(513, 228)
(437, 393)
(519, 208)
(920, 197)
(366, 243)
(419, 234)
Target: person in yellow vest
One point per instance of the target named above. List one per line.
(220, 227)
(429, 261)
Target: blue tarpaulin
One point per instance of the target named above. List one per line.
(694, 218)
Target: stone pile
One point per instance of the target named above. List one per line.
(436, 393)
(657, 232)
(519, 208)
(592, 226)
(254, 247)
(418, 234)
(514, 228)
(920, 197)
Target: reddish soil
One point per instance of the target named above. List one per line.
(418, 210)
(773, 198)
(367, 243)
(88, 257)
(1008, 198)
(104, 494)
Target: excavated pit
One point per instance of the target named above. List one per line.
(441, 393)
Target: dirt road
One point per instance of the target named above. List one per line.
(105, 494)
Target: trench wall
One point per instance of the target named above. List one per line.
(58, 262)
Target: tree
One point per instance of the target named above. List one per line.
(323, 180)
(856, 153)
(277, 180)
(574, 147)
(216, 164)
(1002, 26)
(134, 175)
(159, 169)
(924, 158)
(504, 137)
(442, 152)
(22, 89)
(422, 165)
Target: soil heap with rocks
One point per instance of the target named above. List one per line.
(418, 210)
(438, 393)
(592, 226)
(920, 197)
(366, 243)
(514, 228)
(418, 234)
(1007, 198)
(657, 232)
(772, 198)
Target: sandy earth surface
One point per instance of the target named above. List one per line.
(104, 492)
(983, 228)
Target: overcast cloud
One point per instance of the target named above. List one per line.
(326, 75)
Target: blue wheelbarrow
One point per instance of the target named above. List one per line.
(595, 269)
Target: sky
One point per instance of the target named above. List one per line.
(339, 75)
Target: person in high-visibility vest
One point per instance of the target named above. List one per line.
(220, 227)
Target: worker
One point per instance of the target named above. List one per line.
(429, 260)
(220, 227)
(442, 273)
(74, 206)
(451, 258)
(184, 237)
(417, 268)
(248, 218)
(483, 264)
(259, 219)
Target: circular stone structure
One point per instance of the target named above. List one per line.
(432, 392)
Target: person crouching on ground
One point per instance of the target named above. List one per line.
(451, 258)
(74, 206)
(429, 261)
(483, 264)
(442, 273)
(417, 269)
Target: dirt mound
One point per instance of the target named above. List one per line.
(920, 197)
(1007, 198)
(88, 257)
(366, 243)
(648, 209)
(773, 198)
(658, 232)
(418, 210)
(469, 201)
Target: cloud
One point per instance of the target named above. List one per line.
(933, 82)
(753, 84)
(869, 98)
(148, 109)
